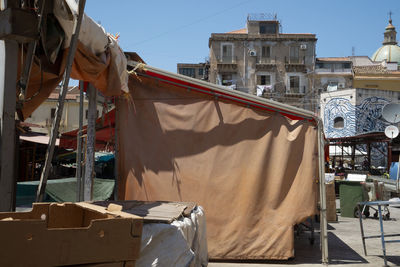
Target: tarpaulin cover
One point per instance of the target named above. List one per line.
(253, 171)
(62, 190)
(104, 133)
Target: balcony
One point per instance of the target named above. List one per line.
(296, 91)
(226, 60)
(339, 71)
(295, 60)
(266, 60)
(227, 63)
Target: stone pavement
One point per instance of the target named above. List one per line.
(345, 245)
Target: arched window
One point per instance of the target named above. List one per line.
(338, 122)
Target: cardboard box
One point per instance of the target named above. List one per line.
(69, 234)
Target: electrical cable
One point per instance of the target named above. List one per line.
(192, 23)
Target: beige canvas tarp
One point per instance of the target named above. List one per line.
(253, 171)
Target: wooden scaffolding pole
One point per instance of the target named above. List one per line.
(91, 143)
(60, 105)
(322, 195)
(116, 150)
(8, 78)
(79, 191)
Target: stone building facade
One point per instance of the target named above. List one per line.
(333, 73)
(261, 60)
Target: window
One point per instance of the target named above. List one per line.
(187, 72)
(263, 79)
(227, 79)
(294, 84)
(332, 86)
(346, 65)
(338, 122)
(266, 52)
(52, 113)
(201, 72)
(268, 28)
(227, 52)
(319, 65)
(294, 54)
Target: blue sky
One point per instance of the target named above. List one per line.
(165, 33)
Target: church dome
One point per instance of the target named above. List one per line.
(390, 51)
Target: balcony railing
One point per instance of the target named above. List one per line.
(266, 60)
(227, 59)
(296, 90)
(295, 60)
(333, 70)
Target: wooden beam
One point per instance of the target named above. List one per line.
(60, 105)
(91, 143)
(8, 78)
(322, 196)
(116, 151)
(79, 191)
(8, 85)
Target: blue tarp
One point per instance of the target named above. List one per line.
(61, 190)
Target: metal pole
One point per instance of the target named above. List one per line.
(322, 194)
(382, 234)
(362, 228)
(79, 145)
(8, 78)
(91, 142)
(60, 105)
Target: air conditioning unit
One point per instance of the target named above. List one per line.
(253, 53)
(303, 46)
(341, 85)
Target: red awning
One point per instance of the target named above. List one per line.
(104, 133)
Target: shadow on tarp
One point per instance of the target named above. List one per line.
(305, 253)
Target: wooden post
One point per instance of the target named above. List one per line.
(8, 84)
(91, 143)
(322, 196)
(116, 151)
(60, 105)
(79, 146)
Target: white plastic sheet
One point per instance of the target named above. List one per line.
(181, 243)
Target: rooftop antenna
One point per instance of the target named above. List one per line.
(353, 51)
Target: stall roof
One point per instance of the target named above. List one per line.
(39, 139)
(371, 137)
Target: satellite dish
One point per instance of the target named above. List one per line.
(391, 131)
(391, 112)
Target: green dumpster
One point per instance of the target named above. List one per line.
(350, 194)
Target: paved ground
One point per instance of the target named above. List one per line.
(345, 245)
